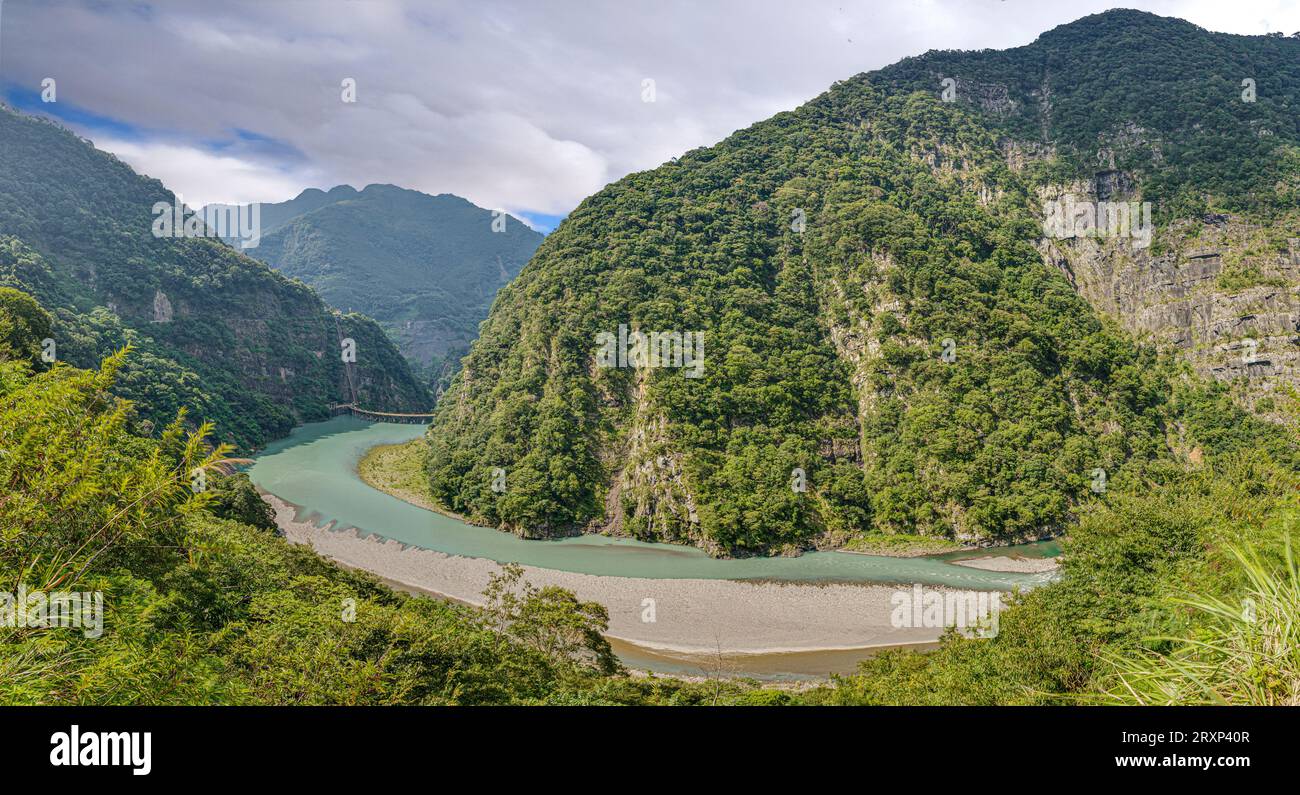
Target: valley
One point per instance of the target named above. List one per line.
(973, 379)
(748, 610)
(426, 268)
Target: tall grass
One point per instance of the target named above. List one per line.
(1243, 652)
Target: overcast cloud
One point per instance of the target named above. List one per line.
(527, 106)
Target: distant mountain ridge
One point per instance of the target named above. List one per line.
(425, 267)
(276, 215)
(214, 331)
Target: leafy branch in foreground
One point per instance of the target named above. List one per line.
(551, 620)
(81, 493)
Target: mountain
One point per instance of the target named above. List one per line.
(425, 267)
(1124, 105)
(887, 337)
(215, 331)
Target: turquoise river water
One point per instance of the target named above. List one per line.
(315, 468)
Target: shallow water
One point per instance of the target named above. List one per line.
(315, 468)
(793, 666)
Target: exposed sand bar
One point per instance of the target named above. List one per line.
(691, 616)
(1005, 563)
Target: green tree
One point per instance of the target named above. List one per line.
(550, 620)
(23, 326)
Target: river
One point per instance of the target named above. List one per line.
(315, 469)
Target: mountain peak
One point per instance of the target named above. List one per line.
(426, 267)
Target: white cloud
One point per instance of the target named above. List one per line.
(525, 105)
(202, 177)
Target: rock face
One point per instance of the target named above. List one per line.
(1138, 107)
(162, 308)
(1221, 291)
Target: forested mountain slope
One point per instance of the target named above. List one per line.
(426, 267)
(1158, 98)
(214, 330)
(889, 344)
(1125, 106)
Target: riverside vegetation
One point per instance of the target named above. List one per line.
(206, 605)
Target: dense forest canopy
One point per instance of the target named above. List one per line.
(1204, 120)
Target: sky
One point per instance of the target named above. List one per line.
(525, 106)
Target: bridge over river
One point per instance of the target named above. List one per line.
(380, 416)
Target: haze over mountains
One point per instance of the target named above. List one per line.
(892, 341)
(214, 331)
(426, 267)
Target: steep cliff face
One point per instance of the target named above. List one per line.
(1203, 129)
(1220, 289)
(215, 331)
